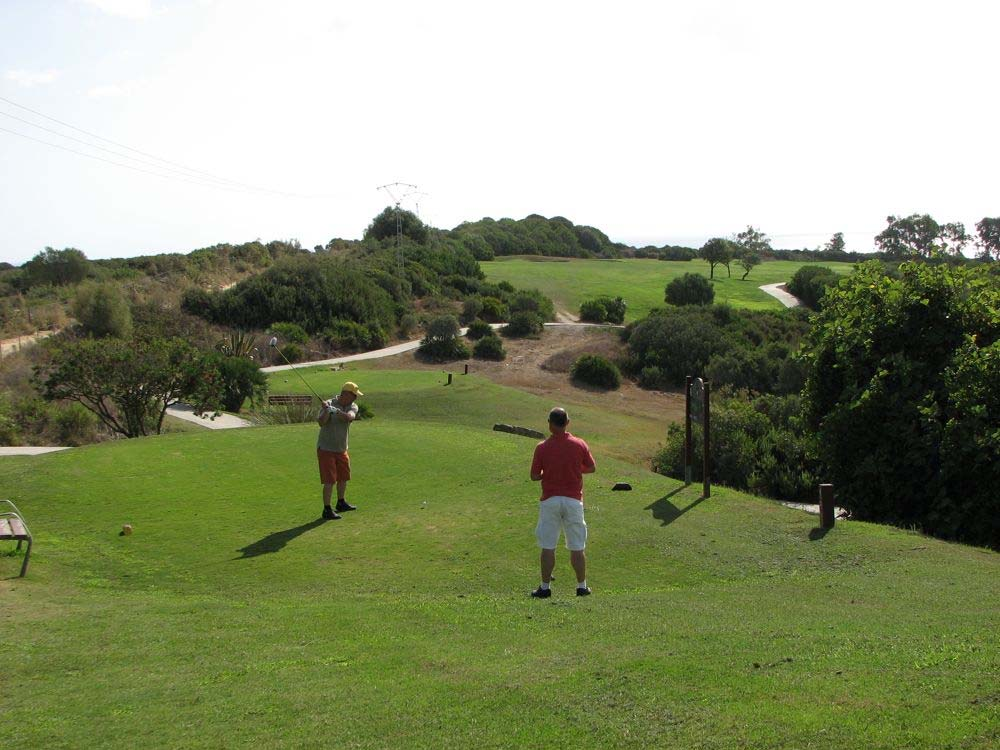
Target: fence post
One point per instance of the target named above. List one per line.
(466, 369)
(826, 519)
(449, 379)
(688, 457)
(706, 444)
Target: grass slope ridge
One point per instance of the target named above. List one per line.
(233, 617)
(568, 282)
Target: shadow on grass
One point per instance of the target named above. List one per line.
(818, 533)
(666, 511)
(275, 542)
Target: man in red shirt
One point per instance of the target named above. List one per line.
(559, 464)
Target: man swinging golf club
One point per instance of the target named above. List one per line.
(331, 447)
(559, 464)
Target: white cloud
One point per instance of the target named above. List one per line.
(135, 9)
(29, 78)
(108, 91)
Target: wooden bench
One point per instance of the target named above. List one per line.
(289, 399)
(13, 528)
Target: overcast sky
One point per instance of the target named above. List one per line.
(653, 121)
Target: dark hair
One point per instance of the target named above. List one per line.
(558, 417)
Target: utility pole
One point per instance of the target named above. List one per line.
(398, 192)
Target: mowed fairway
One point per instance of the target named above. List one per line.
(641, 282)
(233, 618)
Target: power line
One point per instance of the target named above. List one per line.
(126, 166)
(135, 150)
(100, 148)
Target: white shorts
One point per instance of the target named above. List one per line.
(561, 513)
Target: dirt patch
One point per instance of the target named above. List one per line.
(541, 366)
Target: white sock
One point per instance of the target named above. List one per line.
(544, 586)
(582, 584)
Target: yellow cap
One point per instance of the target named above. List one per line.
(351, 388)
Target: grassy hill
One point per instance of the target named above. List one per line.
(641, 282)
(232, 617)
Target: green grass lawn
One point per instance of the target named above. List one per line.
(641, 282)
(232, 617)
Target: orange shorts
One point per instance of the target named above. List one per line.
(333, 467)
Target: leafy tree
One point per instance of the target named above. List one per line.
(689, 289)
(902, 393)
(128, 384)
(102, 310)
(988, 230)
(717, 251)
(57, 267)
(747, 260)
(394, 221)
(836, 243)
(920, 236)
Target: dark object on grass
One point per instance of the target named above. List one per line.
(525, 431)
(622, 487)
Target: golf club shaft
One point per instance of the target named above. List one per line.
(291, 366)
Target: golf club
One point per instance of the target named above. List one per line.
(274, 343)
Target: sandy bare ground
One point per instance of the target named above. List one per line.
(541, 366)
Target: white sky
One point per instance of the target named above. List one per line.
(653, 121)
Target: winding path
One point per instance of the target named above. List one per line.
(786, 298)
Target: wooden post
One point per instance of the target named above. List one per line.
(688, 457)
(466, 369)
(706, 445)
(449, 379)
(826, 519)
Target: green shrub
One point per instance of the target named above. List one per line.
(489, 347)
(441, 342)
(75, 425)
(810, 283)
(478, 329)
(902, 393)
(595, 370)
(290, 332)
(103, 310)
(689, 289)
(351, 336)
(593, 311)
(292, 352)
(523, 324)
(472, 308)
(652, 377)
(759, 445)
(240, 379)
(494, 310)
(407, 324)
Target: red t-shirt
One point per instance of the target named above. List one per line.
(561, 460)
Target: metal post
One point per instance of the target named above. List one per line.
(706, 445)
(688, 458)
(826, 519)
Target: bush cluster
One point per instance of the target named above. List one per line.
(441, 342)
(522, 325)
(758, 444)
(533, 235)
(902, 394)
(810, 283)
(489, 347)
(740, 348)
(689, 289)
(346, 335)
(478, 329)
(592, 369)
(603, 310)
